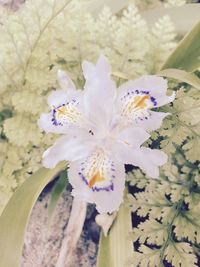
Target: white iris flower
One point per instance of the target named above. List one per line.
(103, 129)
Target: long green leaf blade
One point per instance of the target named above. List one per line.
(57, 192)
(14, 218)
(182, 76)
(187, 54)
(116, 249)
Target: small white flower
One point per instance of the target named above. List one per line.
(101, 132)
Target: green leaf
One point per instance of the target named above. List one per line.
(116, 249)
(14, 218)
(180, 254)
(5, 114)
(187, 54)
(57, 191)
(181, 75)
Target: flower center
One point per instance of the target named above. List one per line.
(135, 105)
(66, 114)
(95, 179)
(97, 171)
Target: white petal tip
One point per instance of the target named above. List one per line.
(105, 221)
(110, 208)
(64, 81)
(103, 64)
(153, 172)
(61, 74)
(103, 59)
(42, 122)
(47, 165)
(46, 162)
(103, 210)
(173, 96)
(163, 158)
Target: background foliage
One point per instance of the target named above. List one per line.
(64, 34)
(62, 37)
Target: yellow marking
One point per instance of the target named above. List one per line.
(62, 111)
(137, 103)
(66, 112)
(140, 101)
(95, 178)
(127, 143)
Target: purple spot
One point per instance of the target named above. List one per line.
(112, 187)
(83, 178)
(153, 100)
(145, 92)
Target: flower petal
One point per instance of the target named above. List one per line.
(133, 136)
(57, 98)
(89, 70)
(98, 180)
(66, 148)
(99, 93)
(66, 93)
(155, 156)
(135, 98)
(149, 160)
(152, 121)
(133, 105)
(102, 68)
(64, 81)
(163, 100)
(67, 114)
(67, 111)
(45, 123)
(145, 158)
(155, 85)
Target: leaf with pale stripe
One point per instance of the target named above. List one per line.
(15, 216)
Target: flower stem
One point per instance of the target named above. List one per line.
(72, 233)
